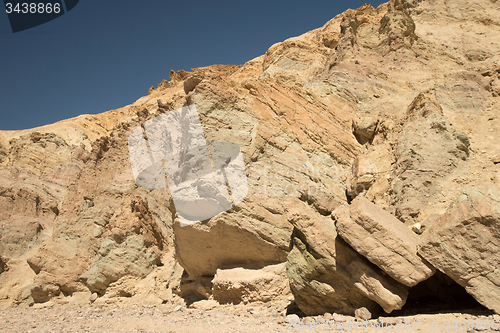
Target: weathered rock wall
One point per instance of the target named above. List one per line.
(357, 138)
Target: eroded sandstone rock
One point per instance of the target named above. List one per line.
(293, 112)
(463, 243)
(250, 285)
(364, 127)
(368, 169)
(384, 240)
(191, 82)
(430, 151)
(18, 238)
(130, 259)
(327, 275)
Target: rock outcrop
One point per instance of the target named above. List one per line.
(464, 241)
(429, 152)
(237, 285)
(384, 240)
(383, 117)
(327, 274)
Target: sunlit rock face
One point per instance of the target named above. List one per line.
(375, 134)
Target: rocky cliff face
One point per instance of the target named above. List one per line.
(372, 160)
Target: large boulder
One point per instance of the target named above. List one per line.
(384, 240)
(327, 275)
(247, 237)
(238, 284)
(464, 244)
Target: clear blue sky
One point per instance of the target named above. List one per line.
(105, 54)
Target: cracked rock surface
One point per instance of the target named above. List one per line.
(370, 148)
